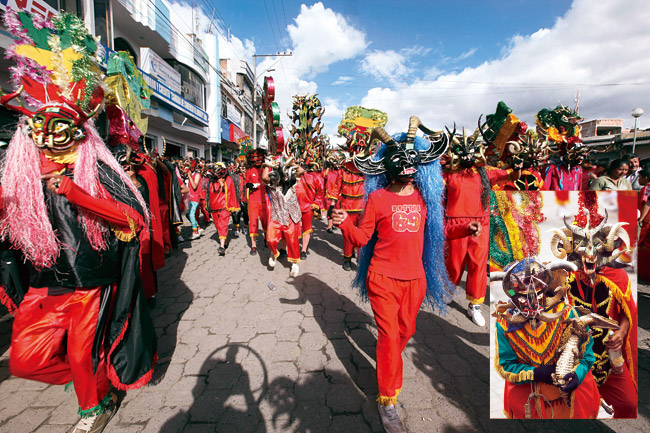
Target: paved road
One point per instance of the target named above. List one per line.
(238, 357)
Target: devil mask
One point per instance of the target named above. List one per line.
(590, 248)
(401, 159)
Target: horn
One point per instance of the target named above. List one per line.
(4, 100)
(600, 226)
(617, 230)
(514, 147)
(164, 146)
(414, 123)
(562, 264)
(551, 317)
(497, 276)
(567, 247)
(574, 228)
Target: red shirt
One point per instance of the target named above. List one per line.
(463, 191)
(195, 193)
(256, 195)
(348, 188)
(399, 222)
(309, 191)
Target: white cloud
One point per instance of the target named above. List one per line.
(467, 54)
(388, 64)
(343, 79)
(595, 48)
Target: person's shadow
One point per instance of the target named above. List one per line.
(226, 393)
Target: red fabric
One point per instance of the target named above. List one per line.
(105, 208)
(306, 222)
(468, 251)
(619, 392)
(395, 304)
(586, 401)
(308, 191)
(559, 178)
(644, 239)
(463, 191)
(257, 212)
(256, 195)
(627, 212)
(348, 245)
(399, 222)
(348, 189)
(52, 339)
(220, 219)
(157, 243)
(195, 193)
(291, 234)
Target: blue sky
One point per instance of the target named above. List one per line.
(450, 61)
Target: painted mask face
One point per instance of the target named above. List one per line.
(401, 163)
(465, 154)
(527, 289)
(56, 128)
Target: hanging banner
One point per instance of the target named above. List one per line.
(38, 7)
(154, 65)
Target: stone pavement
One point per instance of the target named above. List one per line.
(238, 357)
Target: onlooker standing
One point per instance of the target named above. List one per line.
(635, 169)
(615, 179)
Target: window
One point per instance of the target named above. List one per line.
(192, 85)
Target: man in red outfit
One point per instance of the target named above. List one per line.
(398, 215)
(309, 191)
(71, 218)
(465, 181)
(256, 194)
(222, 200)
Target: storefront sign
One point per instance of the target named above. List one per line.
(153, 64)
(234, 115)
(172, 98)
(236, 134)
(34, 6)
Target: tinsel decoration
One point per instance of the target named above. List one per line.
(588, 200)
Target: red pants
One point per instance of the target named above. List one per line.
(221, 219)
(52, 339)
(585, 401)
(202, 209)
(257, 211)
(395, 304)
(619, 392)
(291, 234)
(348, 248)
(306, 222)
(164, 216)
(473, 252)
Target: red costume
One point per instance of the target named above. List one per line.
(222, 200)
(349, 193)
(464, 189)
(559, 178)
(396, 281)
(309, 192)
(611, 296)
(257, 201)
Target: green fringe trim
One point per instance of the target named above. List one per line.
(68, 387)
(97, 410)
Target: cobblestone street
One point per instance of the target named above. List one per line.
(238, 357)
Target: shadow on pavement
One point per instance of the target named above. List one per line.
(172, 300)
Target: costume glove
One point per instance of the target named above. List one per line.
(571, 382)
(543, 373)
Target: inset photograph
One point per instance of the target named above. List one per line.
(563, 296)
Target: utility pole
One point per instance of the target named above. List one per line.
(255, 77)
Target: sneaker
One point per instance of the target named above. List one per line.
(201, 231)
(196, 235)
(236, 233)
(330, 230)
(272, 262)
(253, 251)
(222, 251)
(97, 423)
(390, 419)
(303, 255)
(474, 313)
(181, 239)
(347, 265)
(294, 270)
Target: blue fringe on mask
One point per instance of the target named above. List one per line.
(429, 182)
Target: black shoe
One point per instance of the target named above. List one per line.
(330, 230)
(347, 265)
(283, 253)
(236, 233)
(303, 255)
(253, 251)
(222, 251)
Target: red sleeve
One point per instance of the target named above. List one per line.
(320, 190)
(359, 236)
(108, 209)
(498, 176)
(336, 186)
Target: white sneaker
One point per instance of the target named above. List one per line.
(272, 262)
(196, 235)
(201, 231)
(96, 423)
(294, 270)
(474, 313)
